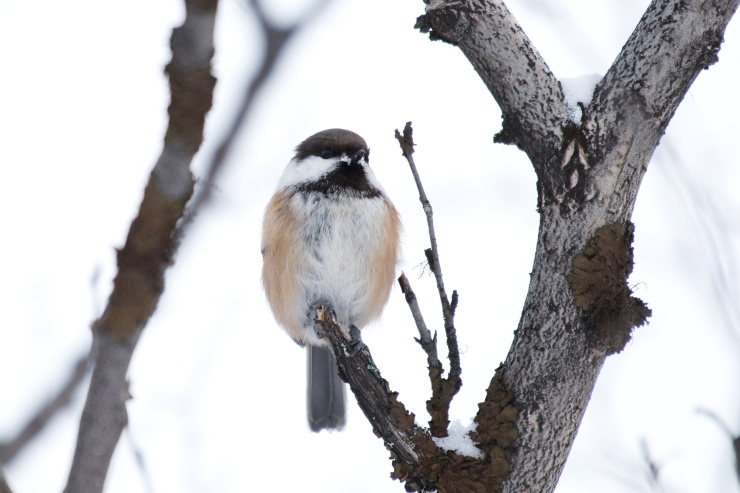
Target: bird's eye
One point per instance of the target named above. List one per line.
(327, 153)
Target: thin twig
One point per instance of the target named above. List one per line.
(425, 340)
(140, 462)
(276, 38)
(407, 146)
(9, 450)
(653, 469)
(726, 429)
(443, 390)
(62, 397)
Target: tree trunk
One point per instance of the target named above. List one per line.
(588, 175)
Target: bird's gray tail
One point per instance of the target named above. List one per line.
(326, 392)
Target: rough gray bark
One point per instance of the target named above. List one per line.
(530, 97)
(388, 417)
(588, 174)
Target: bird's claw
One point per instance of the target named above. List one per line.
(323, 313)
(355, 340)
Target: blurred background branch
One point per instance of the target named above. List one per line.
(4, 488)
(276, 39)
(10, 448)
(149, 249)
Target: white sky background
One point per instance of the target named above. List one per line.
(219, 399)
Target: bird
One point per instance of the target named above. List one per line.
(330, 238)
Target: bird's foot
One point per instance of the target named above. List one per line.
(321, 312)
(355, 340)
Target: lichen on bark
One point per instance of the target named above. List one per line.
(598, 281)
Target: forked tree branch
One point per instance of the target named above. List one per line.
(149, 249)
(417, 461)
(579, 306)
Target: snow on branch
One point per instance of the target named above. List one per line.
(589, 170)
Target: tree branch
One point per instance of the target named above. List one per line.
(9, 449)
(588, 177)
(652, 467)
(425, 340)
(531, 98)
(276, 38)
(633, 104)
(389, 418)
(149, 248)
(417, 461)
(735, 439)
(443, 389)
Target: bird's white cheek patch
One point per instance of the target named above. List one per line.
(310, 169)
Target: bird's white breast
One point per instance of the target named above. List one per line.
(343, 238)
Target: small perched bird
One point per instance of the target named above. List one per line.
(330, 238)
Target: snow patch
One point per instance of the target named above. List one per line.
(458, 440)
(578, 90)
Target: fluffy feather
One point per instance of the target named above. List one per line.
(330, 236)
(342, 250)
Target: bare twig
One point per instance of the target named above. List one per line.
(425, 340)
(276, 38)
(10, 449)
(140, 462)
(406, 142)
(61, 398)
(443, 389)
(653, 467)
(726, 429)
(149, 248)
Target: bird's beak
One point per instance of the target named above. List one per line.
(356, 157)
